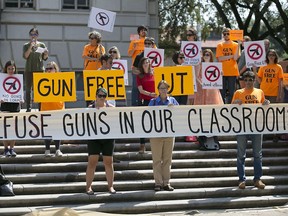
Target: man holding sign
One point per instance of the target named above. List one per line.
(228, 53)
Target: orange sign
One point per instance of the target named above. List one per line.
(236, 35)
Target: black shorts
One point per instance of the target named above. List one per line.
(104, 146)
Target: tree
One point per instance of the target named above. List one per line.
(257, 18)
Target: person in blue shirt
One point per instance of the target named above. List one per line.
(162, 147)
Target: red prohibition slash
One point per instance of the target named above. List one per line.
(154, 59)
(212, 73)
(194, 50)
(255, 51)
(118, 66)
(102, 18)
(14, 85)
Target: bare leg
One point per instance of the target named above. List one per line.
(109, 169)
(91, 168)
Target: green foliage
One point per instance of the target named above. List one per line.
(259, 19)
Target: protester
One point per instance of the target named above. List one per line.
(162, 147)
(34, 52)
(104, 146)
(93, 51)
(52, 67)
(228, 53)
(178, 59)
(146, 87)
(249, 95)
(11, 69)
(135, 48)
(114, 52)
(242, 64)
(148, 43)
(271, 77)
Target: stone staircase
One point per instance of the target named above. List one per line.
(202, 179)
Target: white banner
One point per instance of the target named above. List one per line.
(121, 65)
(135, 122)
(11, 88)
(101, 19)
(156, 56)
(192, 52)
(255, 53)
(212, 75)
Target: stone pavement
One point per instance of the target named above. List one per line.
(276, 211)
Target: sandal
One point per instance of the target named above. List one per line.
(90, 192)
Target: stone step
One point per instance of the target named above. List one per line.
(135, 156)
(97, 203)
(72, 176)
(148, 184)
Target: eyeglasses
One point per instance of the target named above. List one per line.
(162, 88)
(226, 34)
(49, 68)
(148, 44)
(207, 54)
(181, 57)
(101, 96)
(248, 80)
(113, 51)
(189, 35)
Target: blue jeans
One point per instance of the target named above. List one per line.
(256, 140)
(134, 91)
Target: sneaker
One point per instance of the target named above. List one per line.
(12, 152)
(7, 153)
(259, 184)
(242, 185)
(47, 153)
(168, 188)
(58, 153)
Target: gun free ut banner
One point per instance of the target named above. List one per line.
(111, 80)
(180, 79)
(54, 87)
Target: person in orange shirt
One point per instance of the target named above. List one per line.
(271, 77)
(52, 67)
(93, 51)
(137, 46)
(228, 53)
(249, 95)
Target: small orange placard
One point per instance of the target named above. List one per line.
(236, 35)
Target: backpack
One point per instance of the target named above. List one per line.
(209, 143)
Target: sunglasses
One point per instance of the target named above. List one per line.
(33, 34)
(92, 38)
(148, 44)
(189, 35)
(248, 80)
(49, 68)
(207, 54)
(115, 52)
(271, 55)
(101, 96)
(181, 57)
(226, 34)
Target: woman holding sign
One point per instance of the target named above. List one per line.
(271, 77)
(10, 69)
(162, 147)
(146, 87)
(104, 146)
(52, 67)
